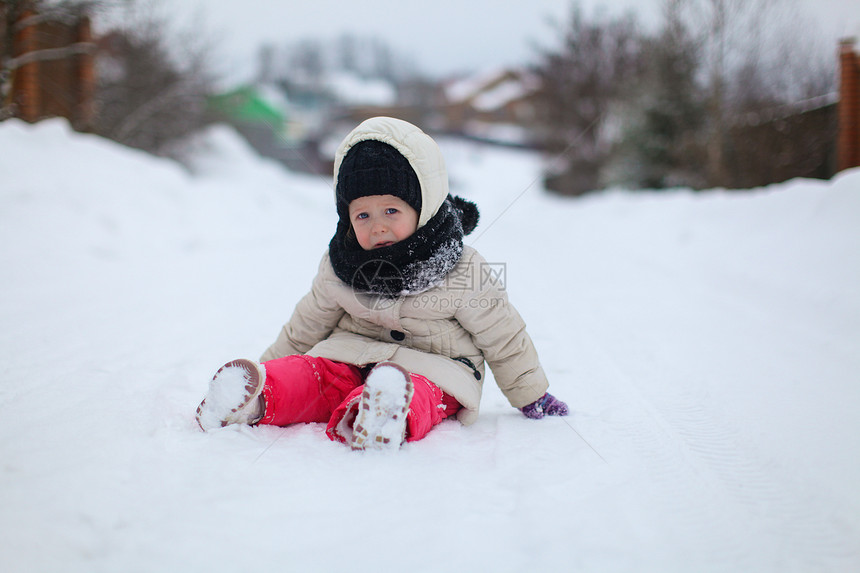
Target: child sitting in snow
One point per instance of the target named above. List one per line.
(393, 335)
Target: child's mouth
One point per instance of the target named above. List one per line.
(383, 244)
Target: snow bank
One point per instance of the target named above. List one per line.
(706, 343)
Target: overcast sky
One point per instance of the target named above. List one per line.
(440, 36)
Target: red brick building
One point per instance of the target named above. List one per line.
(849, 106)
(52, 69)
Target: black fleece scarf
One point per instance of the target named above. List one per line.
(412, 265)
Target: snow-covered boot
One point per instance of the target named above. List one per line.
(234, 396)
(382, 410)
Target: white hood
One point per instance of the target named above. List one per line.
(417, 147)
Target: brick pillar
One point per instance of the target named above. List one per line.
(85, 79)
(849, 106)
(26, 80)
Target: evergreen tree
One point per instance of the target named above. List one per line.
(664, 143)
(581, 82)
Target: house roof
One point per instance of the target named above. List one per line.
(493, 89)
(248, 104)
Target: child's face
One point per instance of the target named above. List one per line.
(381, 220)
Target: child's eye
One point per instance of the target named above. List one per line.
(361, 216)
(390, 211)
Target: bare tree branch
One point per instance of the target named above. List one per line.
(50, 54)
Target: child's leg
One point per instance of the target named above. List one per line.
(428, 407)
(339, 428)
(306, 389)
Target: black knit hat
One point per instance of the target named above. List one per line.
(372, 167)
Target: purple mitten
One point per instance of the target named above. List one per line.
(546, 405)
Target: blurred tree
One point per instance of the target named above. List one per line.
(596, 65)
(347, 56)
(384, 62)
(723, 95)
(307, 63)
(266, 64)
(152, 88)
(663, 142)
(757, 69)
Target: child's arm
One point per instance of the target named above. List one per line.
(499, 331)
(313, 320)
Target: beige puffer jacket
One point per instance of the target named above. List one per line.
(444, 333)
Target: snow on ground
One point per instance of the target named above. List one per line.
(707, 344)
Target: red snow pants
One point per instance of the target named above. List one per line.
(303, 388)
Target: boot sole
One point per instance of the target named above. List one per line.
(384, 405)
(255, 377)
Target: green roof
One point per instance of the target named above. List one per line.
(246, 104)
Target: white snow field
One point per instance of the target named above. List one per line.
(708, 345)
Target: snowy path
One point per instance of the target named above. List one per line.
(707, 344)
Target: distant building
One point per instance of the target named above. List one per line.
(849, 106)
(262, 115)
(496, 106)
(49, 57)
